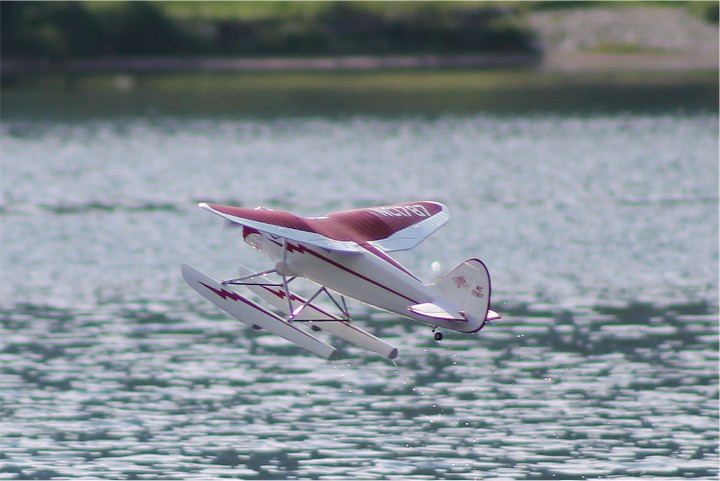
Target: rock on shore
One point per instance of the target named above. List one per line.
(626, 38)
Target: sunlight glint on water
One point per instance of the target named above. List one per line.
(600, 234)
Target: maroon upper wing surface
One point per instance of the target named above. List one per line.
(265, 216)
(390, 227)
(375, 224)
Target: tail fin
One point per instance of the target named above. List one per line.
(467, 287)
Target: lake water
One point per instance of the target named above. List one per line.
(599, 227)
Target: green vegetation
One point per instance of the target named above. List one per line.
(62, 30)
(623, 49)
(46, 36)
(708, 11)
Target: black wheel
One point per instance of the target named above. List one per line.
(438, 336)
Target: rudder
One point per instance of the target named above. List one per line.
(467, 287)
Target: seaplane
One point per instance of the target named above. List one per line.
(344, 255)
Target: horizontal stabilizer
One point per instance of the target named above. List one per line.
(275, 296)
(433, 311)
(253, 314)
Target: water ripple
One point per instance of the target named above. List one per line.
(132, 392)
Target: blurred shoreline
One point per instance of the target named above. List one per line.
(553, 61)
(151, 65)
(600, 39)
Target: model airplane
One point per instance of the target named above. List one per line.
(346, 255)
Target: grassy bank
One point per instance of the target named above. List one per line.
(397, 92)
(410, 81)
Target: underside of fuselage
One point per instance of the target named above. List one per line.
(368, 276)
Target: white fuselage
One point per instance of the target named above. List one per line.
(369, 276)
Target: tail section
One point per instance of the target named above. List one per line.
(467, 289)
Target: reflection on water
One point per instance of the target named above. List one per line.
(389, 93)
(600, 232)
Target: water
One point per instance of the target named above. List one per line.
(599, 230)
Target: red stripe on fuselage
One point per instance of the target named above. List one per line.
(300, 248)
(382, 255)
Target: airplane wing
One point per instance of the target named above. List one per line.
(280, 224)
(394, 227)
(391, 227)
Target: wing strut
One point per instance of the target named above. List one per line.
(274, 293)
(338, 324)
(294, 313)
(283, 271)
(284, 278)
(239, 280)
